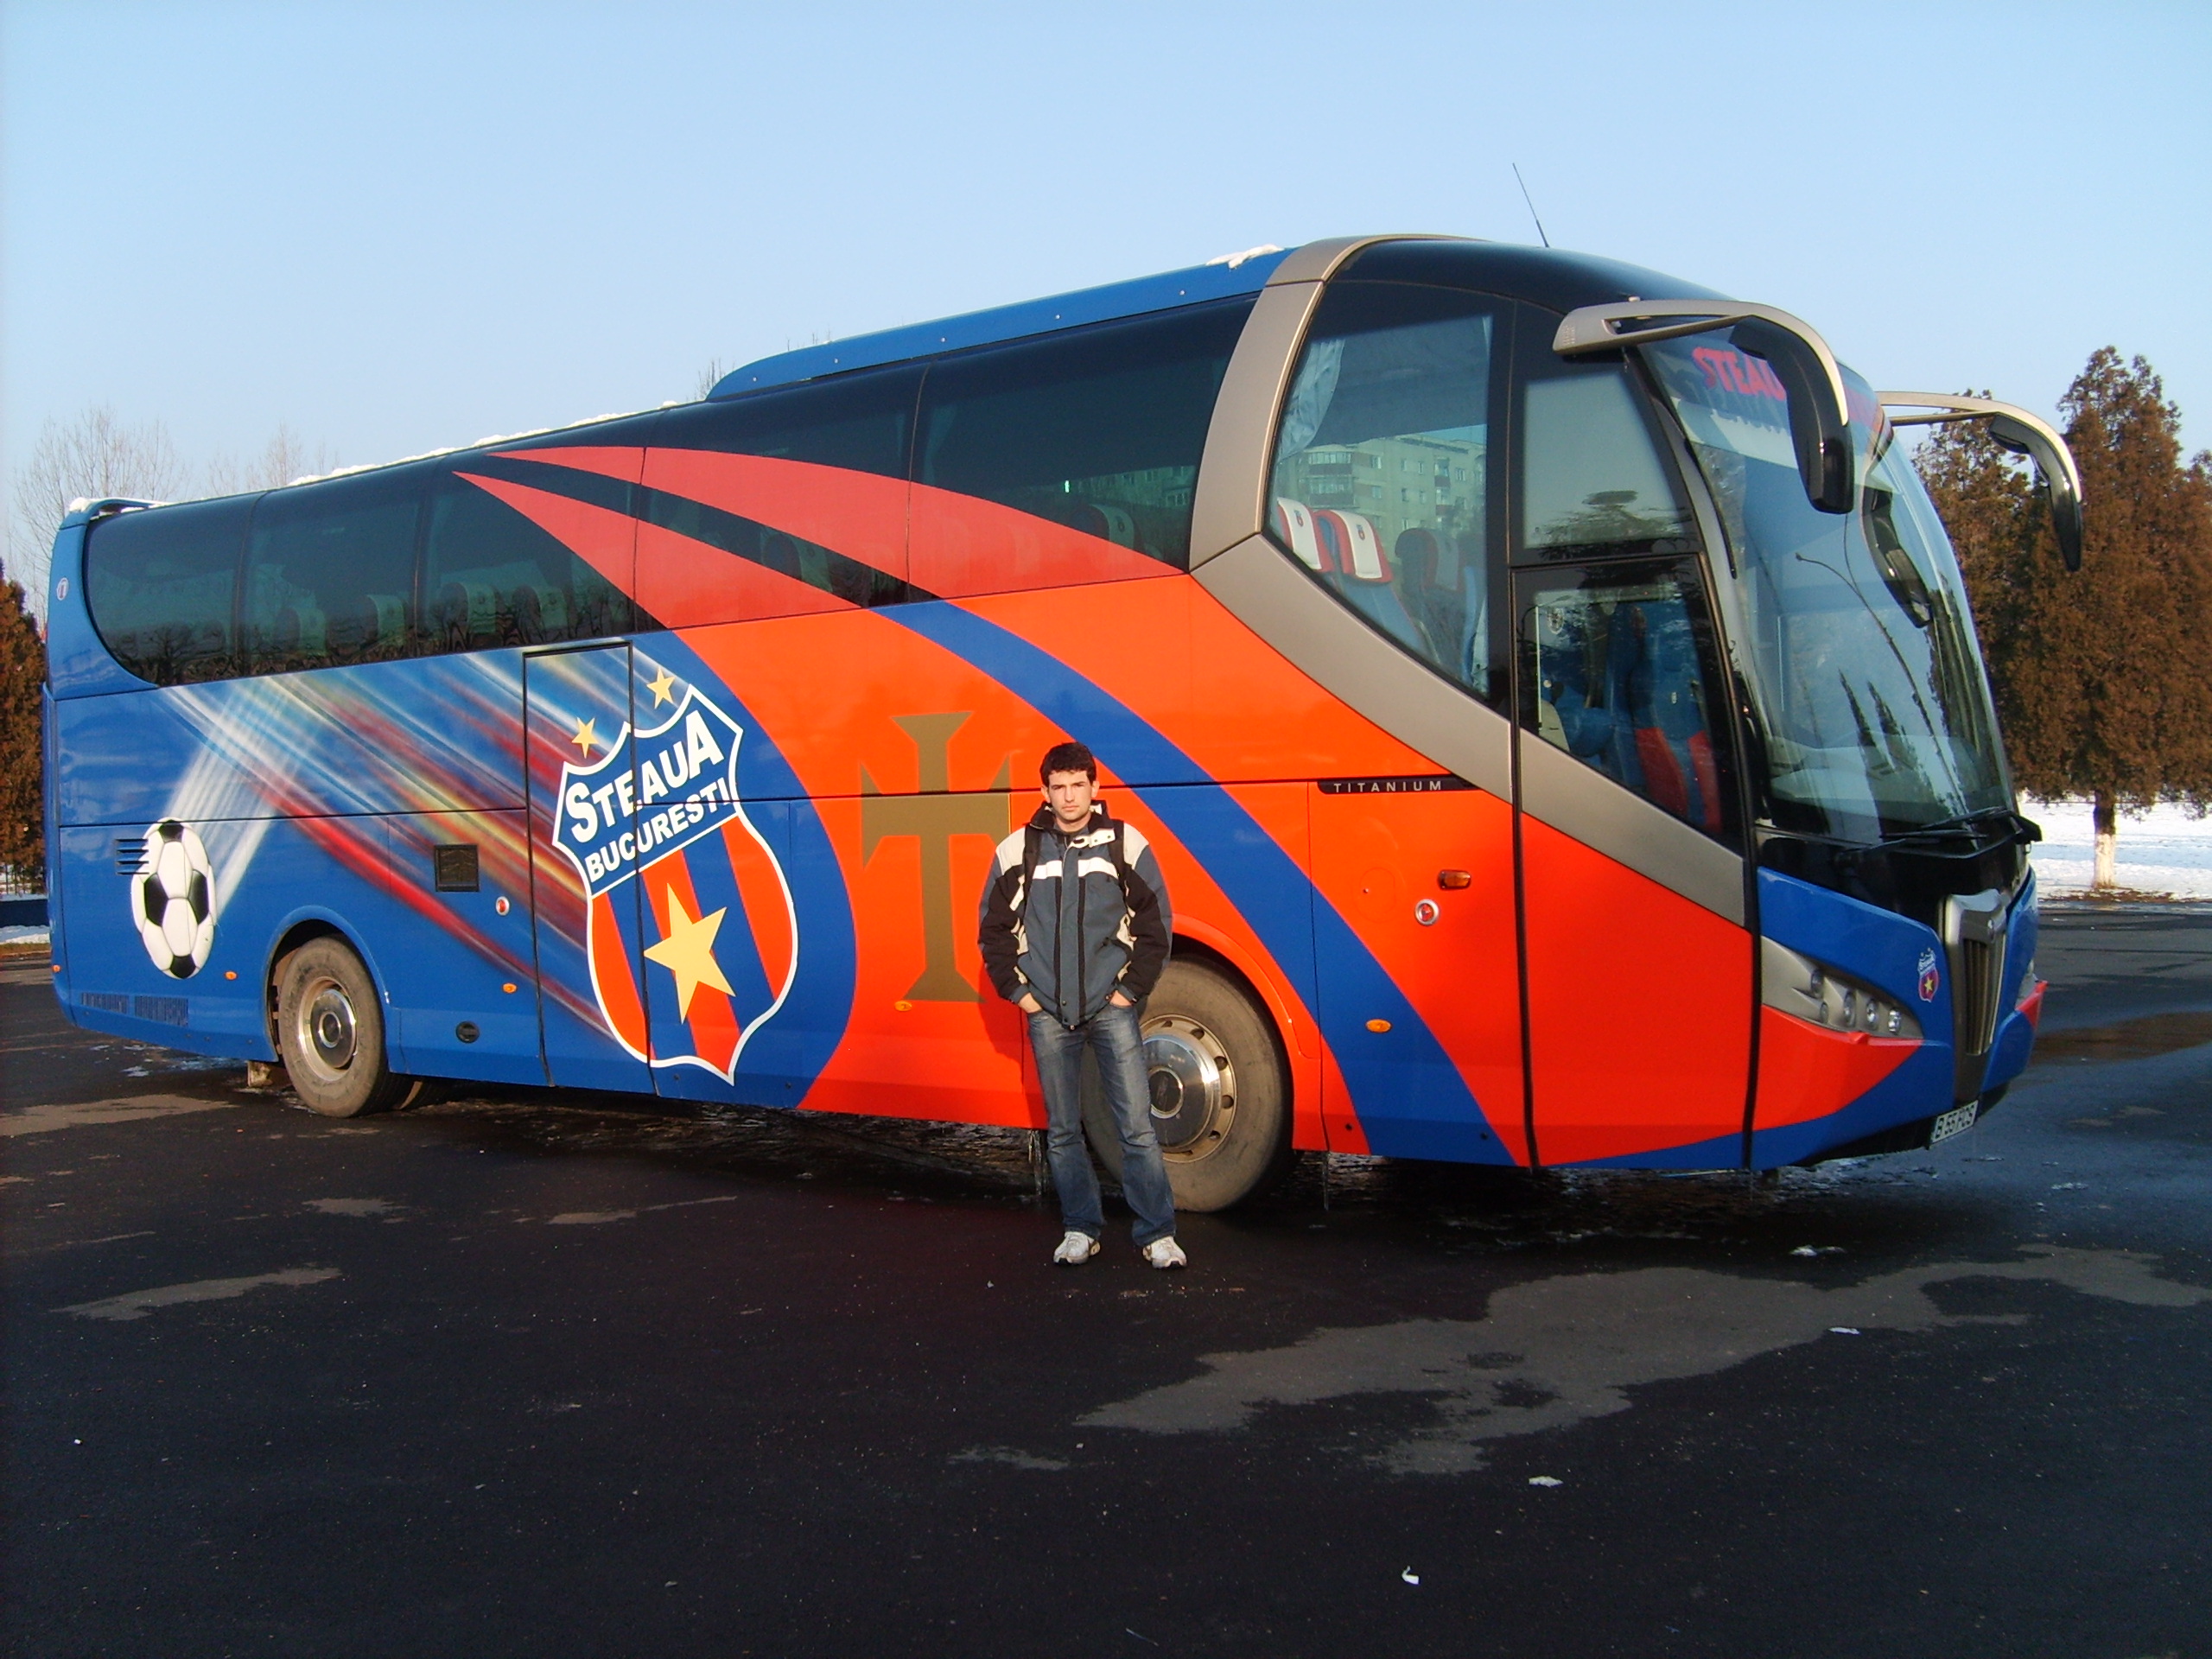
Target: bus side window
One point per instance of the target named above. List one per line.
(1591, 476)
(492, 578)
(1384, 484)
(161, 584)
(1098, 431)
(1619, 669)
(330, 573)
(857, 426)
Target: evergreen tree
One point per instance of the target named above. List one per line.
(22, 668)
(2103, 677)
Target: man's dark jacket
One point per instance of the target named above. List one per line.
(1071, 919)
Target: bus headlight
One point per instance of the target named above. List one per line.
(1812, 991)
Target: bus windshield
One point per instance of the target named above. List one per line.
(1871, 693)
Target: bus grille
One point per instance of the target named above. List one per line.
(1974, 937)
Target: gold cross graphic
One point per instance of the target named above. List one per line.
(934, 816)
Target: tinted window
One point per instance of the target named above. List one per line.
(161, 585)
(492, 577)
(1383, 485)
(1618, 670)
(330, 573)
(1591, 474)
(860, 423)
(1100, 431)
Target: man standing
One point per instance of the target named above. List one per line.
(1075, 933)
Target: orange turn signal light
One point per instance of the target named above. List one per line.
(1378, 1025)
(1454, 880)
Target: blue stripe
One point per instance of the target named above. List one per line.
(1411, 1099)
(787, 1054)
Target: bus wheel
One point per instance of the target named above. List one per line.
(1220, 1096)
(330, 1031)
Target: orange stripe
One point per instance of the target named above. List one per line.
(605, 541)
(685, 583)
(761, 892)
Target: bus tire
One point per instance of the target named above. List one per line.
(330, 1032)
(1210, 1056)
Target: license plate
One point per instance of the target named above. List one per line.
(1953, 1122)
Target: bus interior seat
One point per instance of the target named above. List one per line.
(1665, 709)
(1354, 563)
(1642, 722)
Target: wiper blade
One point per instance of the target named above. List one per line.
(1968, 826)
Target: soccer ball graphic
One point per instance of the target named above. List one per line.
(172, 899)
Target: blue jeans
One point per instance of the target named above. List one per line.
(1113, 1036)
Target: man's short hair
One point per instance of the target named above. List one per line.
(1067, 757)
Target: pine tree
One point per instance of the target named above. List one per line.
(2103, 678)
(22, 668)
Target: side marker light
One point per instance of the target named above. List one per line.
(1378, 1025)
(509, 990)
(1455, 881)
(230, 973)
(902, 1005)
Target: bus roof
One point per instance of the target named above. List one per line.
(1218, 279)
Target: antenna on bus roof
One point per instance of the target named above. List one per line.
(1531, 201)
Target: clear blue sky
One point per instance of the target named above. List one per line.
(400, 227)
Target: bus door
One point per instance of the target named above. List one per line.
(1638, 968)
(583, 814)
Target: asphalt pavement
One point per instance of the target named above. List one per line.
(544, 1374)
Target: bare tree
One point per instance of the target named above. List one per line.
(285, 458)
(711, 375)
(93, 456)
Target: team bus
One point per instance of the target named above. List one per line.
(1548, 686)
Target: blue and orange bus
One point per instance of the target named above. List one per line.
(1549, 689)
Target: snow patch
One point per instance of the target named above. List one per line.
(2163, 851)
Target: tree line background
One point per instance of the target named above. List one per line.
(2103, 677)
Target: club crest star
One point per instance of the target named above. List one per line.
(688, 952)
(659, 687)
(586, 734)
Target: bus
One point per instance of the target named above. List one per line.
(1548, 688)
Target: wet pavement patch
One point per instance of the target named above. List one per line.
(2126, 1039)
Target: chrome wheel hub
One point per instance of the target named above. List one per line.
(1193, 1086)
(327, 1033)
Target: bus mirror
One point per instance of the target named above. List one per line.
(1819, 423)
(2015, 429)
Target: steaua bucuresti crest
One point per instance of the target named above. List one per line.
(709, 923)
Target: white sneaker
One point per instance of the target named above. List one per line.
(1076, 1248)
(1166, 1253)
